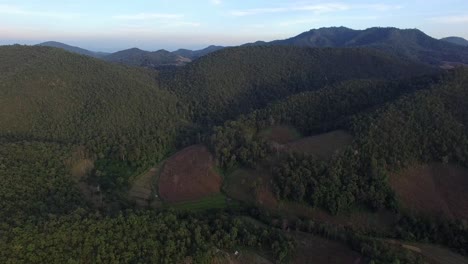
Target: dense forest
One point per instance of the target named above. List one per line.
(75, 133)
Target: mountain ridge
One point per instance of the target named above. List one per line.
(405, 43)
(74, 49)
(456, 40)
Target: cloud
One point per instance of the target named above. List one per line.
(460, 19)
(19, 11)
(299, 21)
(318, 8)
(216, 2)
(381, 7)
(148, 16)
(315, 8)
(163, 20)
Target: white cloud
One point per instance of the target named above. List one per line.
(315, 8)
(461, 19)
(216, 2)
(318, 8)
(381, 7)
(298, 22)
(148, 16)
(162, 20)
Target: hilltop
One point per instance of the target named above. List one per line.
(73, 49)
(404, 43)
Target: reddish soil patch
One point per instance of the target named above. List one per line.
(323, 145)
(189, 175)
(433, 189)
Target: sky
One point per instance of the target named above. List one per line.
(171, 24)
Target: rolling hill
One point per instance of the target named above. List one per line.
(237, 80)
(138, 57)
(73, 49)
(194, 54)
(96, 100)
(456, 40)
(404, 43)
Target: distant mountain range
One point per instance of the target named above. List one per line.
(138, 57)
(195, 54)
(403, 43)
(456, 40)
(410, 44)
(73, 49)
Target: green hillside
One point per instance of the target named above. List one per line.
(52, 95)
(238, 80)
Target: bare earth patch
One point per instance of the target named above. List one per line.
(189, 175)
(433, 189)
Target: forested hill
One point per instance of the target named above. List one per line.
(405, 43)
(456, 40)
(138, 57)
(73, 49)
(236, 80)
(48, 94)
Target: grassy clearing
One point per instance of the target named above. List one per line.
(216, 201)
(251, 186)
(322, 145)
(432, 254)
(281, 134)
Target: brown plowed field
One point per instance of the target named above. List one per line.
(433, 189)
(189, 175)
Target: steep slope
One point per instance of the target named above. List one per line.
(55, 44)
(48, 94)
(236, 80)
(405, 43)
(456, 40)
(137, 57)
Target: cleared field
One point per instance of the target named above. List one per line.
(189, 175)
(313, 249)
(250, 186)
(382, 221)
(431, 253)
(217, 201)
(281, 134)
(323, 145)
(433, 189)
(142, 189)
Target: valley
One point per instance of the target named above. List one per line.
(328, 147)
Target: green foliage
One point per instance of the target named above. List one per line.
(117, 113)
(451, 233)
(137, 238)
(336, 185)
(35, 182)
(238, 80)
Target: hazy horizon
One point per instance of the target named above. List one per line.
(170, 25)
